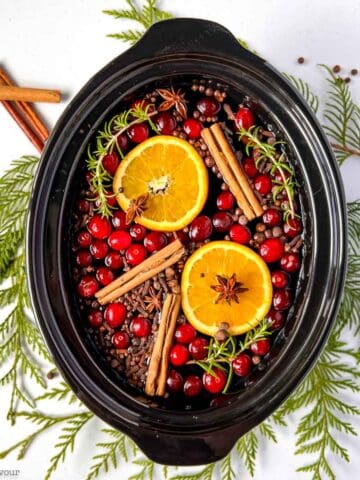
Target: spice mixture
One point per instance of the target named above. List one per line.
(134, 274)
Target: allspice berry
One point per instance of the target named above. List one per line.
(221, 335)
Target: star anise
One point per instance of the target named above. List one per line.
(136, 207)
(153, 300)
(228, 289)
(173, 98)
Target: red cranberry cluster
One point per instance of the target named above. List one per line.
(105, 248)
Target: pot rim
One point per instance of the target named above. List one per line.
(134, 62)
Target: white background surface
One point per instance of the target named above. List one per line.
(47, 43)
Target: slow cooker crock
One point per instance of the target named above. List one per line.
(176, 49)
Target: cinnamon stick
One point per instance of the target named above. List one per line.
(26, 94)
(37, 125)
(159, 362)
(235, 166)
(230, 169)
(158, 262)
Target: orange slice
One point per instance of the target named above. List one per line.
(173, 175)
(200, 302)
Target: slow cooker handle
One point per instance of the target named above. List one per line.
(174, 448)
(190, 35)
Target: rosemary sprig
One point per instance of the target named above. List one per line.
(221, 354)
(107, 142)
(279, 162)
(145, 16)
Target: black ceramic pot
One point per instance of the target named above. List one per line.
(177, 49)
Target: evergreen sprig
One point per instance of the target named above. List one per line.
(342, 117)
(119, 447)
(305, 91)
(145, 16)
(22, 351)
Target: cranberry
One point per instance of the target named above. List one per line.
(250, 167)
(115, 314)
(263, 184)
(182, 236)
(244, 118)
(208, 106)
(110, 163)
(110, 199)
(87, 286)
(140, 327)
(84, 239)
(89, 177)
(185, 333)
(241, 365)
(222, 221)
(279, 176)
(240, 234)
(99, 249)
(174, 381)
(261, 347)
(138, 133)
(165, 123)
(121, 340)
(119, 220)
(214, 383)
(83, 206)
(84, 258)
(137, 232)
(271, 217)
(192, 128)
(225, 201)
(179, 355)
(136, 254)
(104, 275)
(155, 241)
(271, 250)
(276, 319)
(292, 227)
(290, 262)
(200, 228)
(282, 299)
(192, 386)
(280, 279)
(95, 318)
(119, 240)
(122, 142)
(99, 227)
(198, 348)
(114, 260)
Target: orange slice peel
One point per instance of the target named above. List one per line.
(172, 176)
(250, 296)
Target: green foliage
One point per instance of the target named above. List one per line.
(349, 314)
(15, 186)
(342, 117)
(114, 450)
(204, 474)
(22, 350)
(145, 16)
(59, 393)
(146, 472)
(69, 432)
(304, 90)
